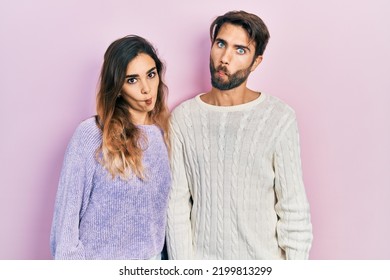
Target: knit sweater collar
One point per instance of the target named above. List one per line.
(241, 107)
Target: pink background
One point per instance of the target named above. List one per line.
(328, 60)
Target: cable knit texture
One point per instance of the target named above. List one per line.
(97, 217)
(237, 188)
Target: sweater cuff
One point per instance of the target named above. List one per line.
(297, 255)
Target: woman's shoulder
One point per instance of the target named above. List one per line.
(87, 135)
(88, 126)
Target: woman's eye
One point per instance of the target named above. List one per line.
(240, 51)
(152, 74)
(131, 80)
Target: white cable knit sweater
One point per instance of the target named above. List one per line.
(237, 189)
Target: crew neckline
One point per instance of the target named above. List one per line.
(146, 125)
(240, 107)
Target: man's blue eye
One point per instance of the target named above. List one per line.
(240, 51)
(220, 44)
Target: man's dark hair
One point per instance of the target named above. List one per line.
(256, 28)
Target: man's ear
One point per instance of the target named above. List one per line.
(256, 63)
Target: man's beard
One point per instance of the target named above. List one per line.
(233, 80)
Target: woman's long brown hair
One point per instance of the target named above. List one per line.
(123, 143)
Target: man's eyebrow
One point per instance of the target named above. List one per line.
(136, 75)
(220, 40)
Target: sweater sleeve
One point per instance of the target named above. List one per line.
(64, 239)
(179, 231)
(294, 228)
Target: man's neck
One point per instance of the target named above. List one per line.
(232, 97)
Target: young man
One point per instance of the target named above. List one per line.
(237, 188)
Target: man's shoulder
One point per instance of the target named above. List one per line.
(280, 106)
(184, 106)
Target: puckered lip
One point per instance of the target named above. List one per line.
(221, 70)
(221, 74)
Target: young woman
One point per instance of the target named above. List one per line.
(112, 196)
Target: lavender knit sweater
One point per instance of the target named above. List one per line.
(96, 217)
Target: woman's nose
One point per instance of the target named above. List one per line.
(145, 88)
